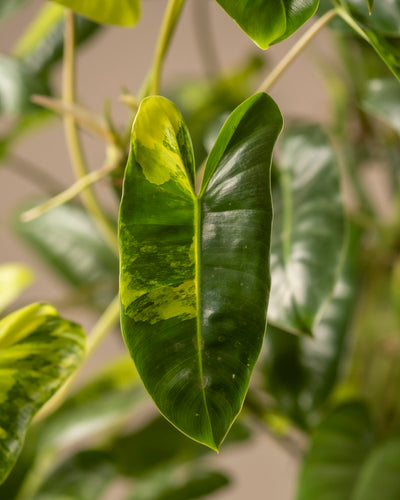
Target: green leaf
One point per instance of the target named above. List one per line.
(381, 473)
(84, 476)
(7, 7)
(17, 84)
(382, 99)
(387, 48)
(102, 405)
(69, 242)
(123, 12)
(267, 22)
(308, 230)
(14, 278)
(338, 450)
(180, 485)
(301, 372)
(38, 351)
(385, 18)
(194, 268)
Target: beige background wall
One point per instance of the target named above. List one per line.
(262, 470)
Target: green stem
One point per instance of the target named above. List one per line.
(106, 322)
(296, 50)
(171, 16)
(72, 136)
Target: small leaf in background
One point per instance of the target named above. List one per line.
(301, 372)
(14, 278)
(384, 18)
(84, 476)
(267, 22)
(123, 12)
(338, 450)
(380, 475)
(38, 351)
(17, 84)
(382, 99)
(70, 243)
(194, 268)
(385, 45)
(187, 484)
(308, 230)
(370, 4)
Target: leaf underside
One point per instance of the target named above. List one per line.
(194, 276)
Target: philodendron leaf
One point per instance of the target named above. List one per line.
(123, 12)
(337, 454)
(267, 22)
(308, 230)
(381, 473)
(38, 351)
(300, 371)
(387, 48)
(382, 99)
(194, 268)
(71, 244)
(14, 278)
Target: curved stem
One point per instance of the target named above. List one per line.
(296, 50)
(106, 322)
(171, 16)
(72, 136)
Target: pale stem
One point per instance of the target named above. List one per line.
(106, 322)
(70, 193)
(170, 20)
(72, 136)
(296, 50)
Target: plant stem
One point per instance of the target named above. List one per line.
(70, 193)
(296, 50)
(170, 20)
(72, 135)
(106, 322)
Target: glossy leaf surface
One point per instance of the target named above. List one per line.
(38, 352)
(71, 244)
(382, 99)
(14, 278)
(301, 372)
(267, 22)
(308, 230)
(194, 268)
(123, 12)
(338, 450)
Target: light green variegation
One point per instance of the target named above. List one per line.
(14, 278)
(267, 22)
(123, 12)
(38, 352)
(308, 230)
(194, 268)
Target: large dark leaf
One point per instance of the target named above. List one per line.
(38, 352)
(308, 230)
(70, 243)
(267, 22)
(301, 372)
(339, 448)
(194, 268)
(123, 12)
